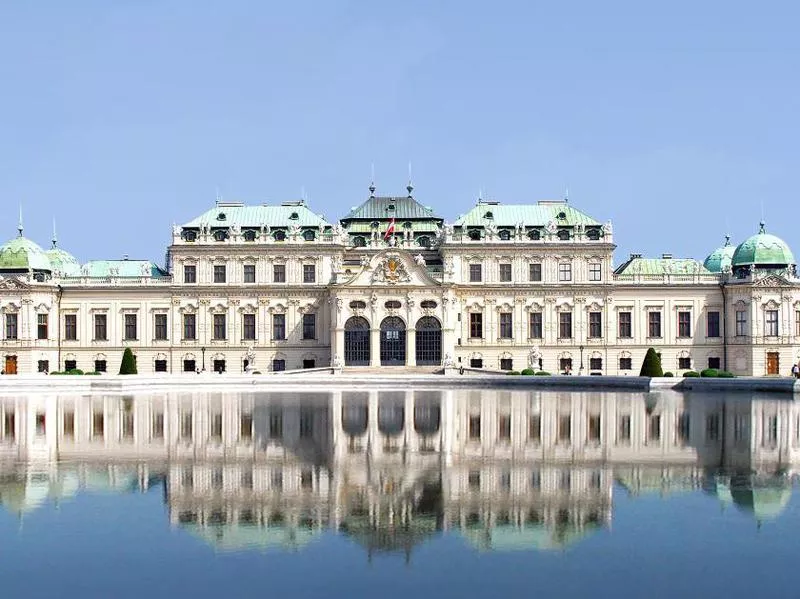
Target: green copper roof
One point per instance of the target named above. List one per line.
(763, 249)
(239, 537)
(509, 215)
(720, 258)
(539, 537)
(63, 262)
(122, 268)
(23, 254)
(637, 265)
(384, 208)
(285, 215)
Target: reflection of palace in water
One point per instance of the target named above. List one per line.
(388, 469)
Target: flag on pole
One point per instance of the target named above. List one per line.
(389, 231)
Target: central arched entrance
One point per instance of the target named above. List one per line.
(356, 342)
(429, 341)
(393, 342)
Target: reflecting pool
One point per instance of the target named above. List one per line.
(344, 493)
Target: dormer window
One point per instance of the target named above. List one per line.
(221, 216)
(474, 235)
(488, 214)
(424, 241)
(359, 242)
(279, 236)
(561, 216)
(563, 235)
(308, 235)
(534, 235)
(504, 235)
(249, 235)
(390, 207)
(407, 225)
(190, 235)
(220, 235)
(294, 216)
(593, 234)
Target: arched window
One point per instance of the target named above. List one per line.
(534, 234)
(593, 234)
(474, 235)
(220, 235)
(308, 235)
(189, 235)
(488, 214)
(221, 216)
(249, 235)
(424, 241)
(294, 216)
(279, 235)
(504, 235)
(563, 235)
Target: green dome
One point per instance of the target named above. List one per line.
(22, 254)
(721, 258)
(63, 263)
(763, 249)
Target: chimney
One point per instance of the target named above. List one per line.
(666, 256)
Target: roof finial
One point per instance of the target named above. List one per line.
(410, 187)
(20, 228)
(372, 181)
(727, 240)
(761, 227)
(55, 237)
(566, 194)
(218, 195)
(480, 195)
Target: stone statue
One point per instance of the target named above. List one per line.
(364, 260)
(533, 357)
(250, 356)
(336, 264)
(176, 230)
(336, 362)
(294, 230)
(448, 361)
(235, 229)
(419, 259)
(551, 227)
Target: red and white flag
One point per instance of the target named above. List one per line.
(389, 231)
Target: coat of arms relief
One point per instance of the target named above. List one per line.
(391, 270)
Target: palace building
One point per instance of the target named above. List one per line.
(391, 284)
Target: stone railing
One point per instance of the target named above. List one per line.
(668, 279)
(116, 281)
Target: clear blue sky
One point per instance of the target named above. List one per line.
(121, 117)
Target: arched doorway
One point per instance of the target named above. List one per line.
(356, 342)
(429, 341)
(393, 342)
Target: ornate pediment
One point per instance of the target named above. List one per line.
(772, 281)
(13, 284)
(391, 270)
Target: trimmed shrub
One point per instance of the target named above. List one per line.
(668, 374)
(651, 365)
(543, 373)
(709, 373)
(128, 365)
(512, 372)
(691, 374)
(74, 371)
(724, 374)
(528, 372)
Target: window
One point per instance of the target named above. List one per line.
(70, 327)
(220, 332)
(683, 427)
(535, 325)
(741, 323)
(797, 323)
(624, 322)
(160, 327)
(279, 273)
(157, 431)
(505, 273)
(160, 365)
(565, 364)
(249, 327)
(100, 327)
(189, 327)
(249, 235)
(246, 427)
(534, 235)
(684, 324)
(595, 363)
(535, 271)
(535, 428)
(220, 235)
(309, 326)
(654, 428)
(70, 365)
(216, 426)
(476, 362)
(564, 272)
(625, 364)
(309, 273)
(506, 364)
(770, 324)
(712, 327)
(504, 235)
(475, 273)
(565, 325)
(506, 326)
(624, 429)
(218, 366)
(219, 273)
(249, 273)
(100, 366)
(770, 431)
(279, 235)
(712, 427)
(714, 363)
(359, 241)
(278, 365)
(564, 429)
(594, 272)
(98, 423)
(189, 366)
(563, 235)
(189, 273)
(594, 428)
(504, 427)
(308, 235)
(69, 425)
(684, 363)
(189, 235)
(130, 333)
(41, 326)
(11, 326)
(476, 325)
(474, 429)
(474, 234)
(654, 324)
(595, 325)
(278, 327)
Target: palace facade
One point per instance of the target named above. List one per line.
(504, 287)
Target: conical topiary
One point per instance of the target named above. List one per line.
(128, 365)
(651, 365)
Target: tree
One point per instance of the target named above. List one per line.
(128, 365)
(651, 365)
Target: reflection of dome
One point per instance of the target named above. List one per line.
(763, 250)
(242, 537)
(536, 537)
(765, 500)
(22, 255)
(388, 538)
(720, 259)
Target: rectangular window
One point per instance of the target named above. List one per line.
(770, 324)
(278, 327)
(309, 326)
(189, 273)
(216, 426)
(474, 427)
(220, 332)
(565, 364)
(68, 365)
(476, 362)
(712, 324)
(41, 326)
(535, 428)
(249, 273)
(595, 325)
(535, 325)
(595, 363)
(100, 366)
(278, 273)
(714, 363)
(505, 273)
(130, 327)
(506, 325)
(70, 327)
(564, 429)
(160, 327)
(594, 428)
(625, 322)
(565, 325)
(564, 272)
(219, 273)
(11, 327)
(535, 272)
(684, 363)
(278, 365)
(654, 428)
(158, 425)
(595, 272)
(309, 273)
(189, 327)
(683, 428)
(654, 324)
(684, 324)
(476, 325)
(98, 423)
(504, 427)
(189, 365)
(161, 366)
(624, 429)
(69, 425)
(506, 363)
(249, 327)
(100, 327)
(475, 273)
(246, 427)
(625, 364)
(741, 323)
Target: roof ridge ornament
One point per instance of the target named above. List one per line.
(761, 229)
(20, 228)
(410, 186)
(55, 237)
(372, 182)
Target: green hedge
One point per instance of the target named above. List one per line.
(528, 372)
(543, 373)
(76, 371)
(724, 374)
(709, 373)
(691, 374)
(512, 372)
(668, 374)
